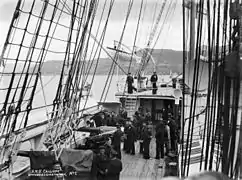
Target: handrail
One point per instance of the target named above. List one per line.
(121, 85)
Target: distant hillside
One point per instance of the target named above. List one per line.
(52, 67)
(166, 60)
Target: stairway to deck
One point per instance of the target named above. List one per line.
(130, 106)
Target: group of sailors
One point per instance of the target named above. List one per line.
(143, 129)
(130, 81)
(140, 129)
(106, 118)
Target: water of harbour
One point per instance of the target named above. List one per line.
(50, 84)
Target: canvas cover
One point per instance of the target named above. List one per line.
(79, 160)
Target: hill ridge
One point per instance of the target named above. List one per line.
(166, 60)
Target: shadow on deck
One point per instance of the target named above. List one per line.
(137, 168)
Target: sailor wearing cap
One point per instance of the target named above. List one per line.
(153, 80)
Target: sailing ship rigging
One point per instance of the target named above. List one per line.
(219, 139)
(37, 34)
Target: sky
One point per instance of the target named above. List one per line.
(170, 38)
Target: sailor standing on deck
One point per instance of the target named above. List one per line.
(126, 127)
(114, 167)
(116, 141)
(131, 137)
(146, 143)
(101, 163)
(173, 132)
(159, 136)
(141, 146)
(130, 81)
(167, 138)
(153, 80)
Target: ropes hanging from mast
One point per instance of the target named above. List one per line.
(23, 84)
(146, 54)
(112, 68)
(221, 117)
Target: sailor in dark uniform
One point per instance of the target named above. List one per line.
(159, 136)
(114, 167)
(102, 162)
(141, 147)
(126, 127)
(116, 141)
(131, 137)
(146, 143)
(130, 81)
(154, 79)
(148, 117)
(173, 132)
(98, 119)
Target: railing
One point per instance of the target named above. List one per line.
(145, 84)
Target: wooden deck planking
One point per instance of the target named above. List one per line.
(137, 168)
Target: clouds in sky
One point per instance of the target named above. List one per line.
(170, 38)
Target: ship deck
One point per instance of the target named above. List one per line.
(137, 168)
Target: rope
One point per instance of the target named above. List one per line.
(136, 34)
(14, 69)
(149, 51)
(98, 30)
(144, 58)
(99, 53)
(210, 48)
(182, 167)
(111, 71)
(67, 96)
(195, 82)
(15, 20)
(219, 81)
(134, 45)
(17, 110)
(47, 115)
(214, 98)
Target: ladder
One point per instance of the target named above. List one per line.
(130, 106)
